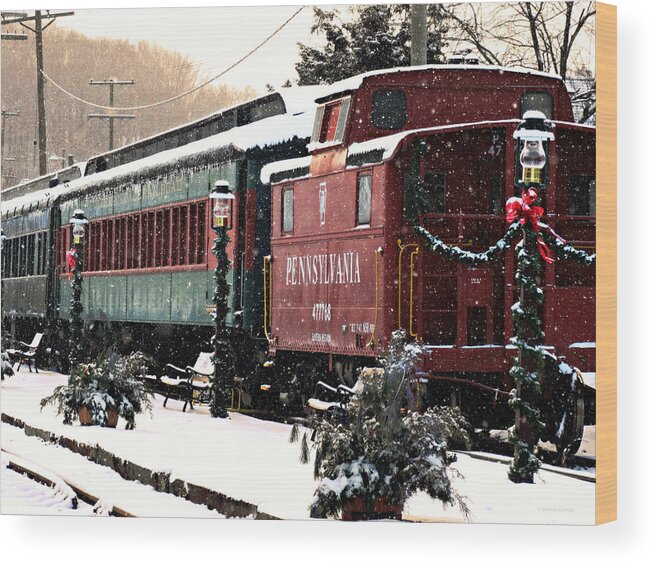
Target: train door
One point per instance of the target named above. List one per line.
(475, 312)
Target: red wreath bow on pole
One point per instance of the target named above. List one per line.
(524, 209)
(71, 256)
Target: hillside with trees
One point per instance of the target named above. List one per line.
(72, 60)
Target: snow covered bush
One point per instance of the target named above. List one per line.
(455, 427)
(111, 384)
(7, 370)
(380, 451)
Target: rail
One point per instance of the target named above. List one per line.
(266, 296)
(373, 340)
(402, 248)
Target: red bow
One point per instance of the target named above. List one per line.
(524, 209)
(71, 258)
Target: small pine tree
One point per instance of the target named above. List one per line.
(380, 450)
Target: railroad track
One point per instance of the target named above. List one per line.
(503, 448)
(76, 494)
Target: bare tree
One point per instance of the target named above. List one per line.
(546, 36)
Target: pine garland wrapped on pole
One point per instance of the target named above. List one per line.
(528, 365)
(76, 262)
(221, 217)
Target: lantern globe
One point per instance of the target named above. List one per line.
(222, 207)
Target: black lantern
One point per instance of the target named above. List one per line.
(222, 205)
(532, 151)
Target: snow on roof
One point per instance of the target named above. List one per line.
(263, 133)
(354, 82)
(301, 98)
(388, 144)
(283, 166)
(297, 100)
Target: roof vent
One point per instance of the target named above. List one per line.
(463, 57)
(456, 60)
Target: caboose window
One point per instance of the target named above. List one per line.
(329, 124)
(582, 193)
(431, 197)
(496, 194)
(288, 210)
(330, 121)
(388, 109)
(364, 199)
(538, 101)
(435, 192)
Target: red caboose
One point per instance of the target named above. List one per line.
(346, 268)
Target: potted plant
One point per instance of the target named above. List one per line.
(98, 393)
(371, 461)
(7, 369)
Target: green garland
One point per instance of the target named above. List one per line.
(567, 251)
(76, 352)
(528, 365)
(455, 253)
(221, 358)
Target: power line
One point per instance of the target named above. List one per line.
(154, 104)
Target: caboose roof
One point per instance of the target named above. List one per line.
(353, 83)
(384, 148)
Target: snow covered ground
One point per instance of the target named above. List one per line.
(252, 460)
(21, 495)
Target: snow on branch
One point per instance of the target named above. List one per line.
(454, 252)
(567, 251)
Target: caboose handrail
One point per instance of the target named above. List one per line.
(413, 254)
(402, 248)
(373, 340)
(267, 259)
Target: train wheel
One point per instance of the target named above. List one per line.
(569, 441)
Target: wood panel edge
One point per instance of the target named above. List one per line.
(606, 309)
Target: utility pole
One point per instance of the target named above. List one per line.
(111, 117)
(418, 34)
(38, 18)
(5, 115)
(5, 160)
(41, 99)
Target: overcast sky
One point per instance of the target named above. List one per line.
(212, 37)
